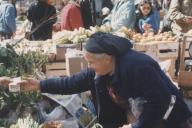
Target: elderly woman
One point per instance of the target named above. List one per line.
(122, 81)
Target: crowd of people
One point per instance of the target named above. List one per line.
(140, 15)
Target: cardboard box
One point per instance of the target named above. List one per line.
(61, 50)
(75, 64)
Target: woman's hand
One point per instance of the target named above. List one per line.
(29, 84)
(146, 27)
(4, 81)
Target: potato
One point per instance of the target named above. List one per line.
(145, 34)
(158, 38)
(151, 34)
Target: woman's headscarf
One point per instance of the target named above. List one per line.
(110, 44)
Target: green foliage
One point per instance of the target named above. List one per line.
(23, 64)
(11, 101)
(15, 65)
(8, 56)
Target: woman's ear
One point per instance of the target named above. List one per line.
(109, 58)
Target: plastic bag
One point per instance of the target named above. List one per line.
(137, 106)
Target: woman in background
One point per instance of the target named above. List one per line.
(149, 18)
(71, 17)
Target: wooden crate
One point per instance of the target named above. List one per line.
(55, 65)
(162, 49)
(144, 47)
(56, 72)
(56, 69)
(185, 77)
(167, 50)
(62, 48)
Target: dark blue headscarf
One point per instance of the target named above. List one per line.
(110, 44)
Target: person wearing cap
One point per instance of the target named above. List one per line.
(123, 82)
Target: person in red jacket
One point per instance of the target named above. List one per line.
(71, 16)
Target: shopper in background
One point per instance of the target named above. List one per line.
(7, 20)
(122, 82)
(149, 17)
(86, 12)
(70, 16)
(99, 9)
(93, 11)
(42, 15)
(122, 14)
(180, 13)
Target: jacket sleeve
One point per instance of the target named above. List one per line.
(174, 11)
(126, 16)
(152, 87)
(157, 19)
(10, 18)
(140, 25)
(77, 83)
(154, 20)
(107, 20)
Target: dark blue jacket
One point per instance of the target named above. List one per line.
(136, 75)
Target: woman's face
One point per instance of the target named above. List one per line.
(101, 65)
(145, 9)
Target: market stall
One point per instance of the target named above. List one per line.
(161, 47)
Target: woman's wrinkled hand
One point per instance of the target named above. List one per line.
(4, 81)
(29, 84)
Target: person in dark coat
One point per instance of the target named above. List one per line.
(42, 15)
(91, 11)
(123, 83)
